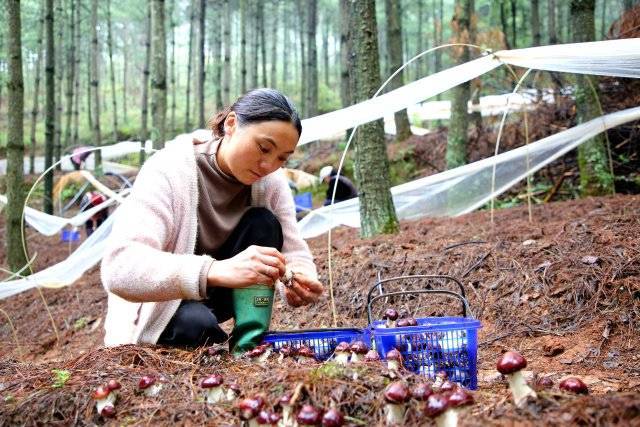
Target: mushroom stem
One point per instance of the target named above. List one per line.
(519, 388)
(110, 400)
(287, 420)
(395, 413)
(448, 419)
(215, 395)
(342, 358)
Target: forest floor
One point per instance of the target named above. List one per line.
(563, 289)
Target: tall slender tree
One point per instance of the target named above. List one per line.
(15, 138)
(345, 49)
(36, 91)
(226, 94)
(76, 83)
(325, 47)
(377, 213)
(303, 56)
(243, 46)
(201, 71)
(71, 70)
(273, 72)
(158, 75)
(50, 112)
(59, 75)
(596, 176)
(535, 22)
(172, 66)
(553, 36)
(192, 18)
(125, 73)
(312, 59)
(217, 49)
(95, 87)
(394, 49)
(144, 108)
(112, 73)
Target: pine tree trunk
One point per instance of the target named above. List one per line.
(226, 95)
(603, 17)
(553, 37)
(514, 33)
(88, 72)
(255, 36)
(243, 46)
(325, 50)
(192, 14)
(144, 108)
(59, 22)
(158, 75)
(201, 70)
(503, 24)
(263, 43)
(303, 56)
(95, 88)
(273, 73)
(76, 83)
(377, 213)
(312, 59)
(420, 66)
(394, 50)
(125, 72)
(112, 73)
(217, 43)
(459, 122)
(36, 92)
(50, 108)
(596, 176)
(345, 49)
(71, 60)
(15, 138)
(172, 66)
(286, 52)
(535, 22)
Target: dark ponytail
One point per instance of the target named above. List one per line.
(255, 106)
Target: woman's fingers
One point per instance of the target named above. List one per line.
(274, 263)
(293, 299)
(265, 250)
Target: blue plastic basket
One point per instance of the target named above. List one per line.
(322, 341)
(303, 201)
(436, 344)
(69, 235)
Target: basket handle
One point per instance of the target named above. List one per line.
(380, 281)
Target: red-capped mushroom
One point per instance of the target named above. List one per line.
(309, 415)
(286, 351)
(213, 385)
(436, 407)
(543, 383)
(396, 396)
(332, 418)
(109, 411)
(358, 350)
(402, 323)
(113, 385)
(103, 397)
(394, 360)
(412, 321)
(574, 385)
(421, 392)
(342, 353)
(441, 377)
(233, 391)
(510, 364)
(250, 408)
(456, 400)
(149, 386)
(390, 315)
(306, 355)
(287, 410)
(267, 418)
(371, 356)
(261, 353)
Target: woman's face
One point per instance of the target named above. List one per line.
(252, 151)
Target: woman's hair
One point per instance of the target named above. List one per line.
(255, 106)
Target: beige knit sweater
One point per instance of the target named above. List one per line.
(149, 265)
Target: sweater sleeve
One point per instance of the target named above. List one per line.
(138, 265)
(280, 201)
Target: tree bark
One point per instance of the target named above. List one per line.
(201, 71)
(158, 75)
(325, 49)
(312, 59)
(553, 37)
(172, 65)
(125, 73)
(76, 83)
(286, 58)
(596, 176)
(263, 43)
(394, 50)
(514, 15)
(345, 49)
(273, 73)
(95, 88)
(36, 91)
(59, 22)
(535, 22)
(50, 112)
(303, 56)
(71, 61)
(145, 86)
(114, 104)
(15, 138)
(217, 49)
(459, 122)
(226, 95)
(192, 17)
(255, 37)
(377, 213)
(243, 46)
(504, 26)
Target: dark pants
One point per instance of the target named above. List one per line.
(195, 323)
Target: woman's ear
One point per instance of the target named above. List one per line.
(230, 123)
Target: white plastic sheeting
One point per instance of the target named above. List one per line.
(461, 190)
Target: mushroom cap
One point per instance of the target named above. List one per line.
(309, 415)
(371, 356)
(235, 387)
(101, 392)
(287, 351)
(574, 385)
(213, 380)
(113, 385)
(511, 362)
(396, 392)
(250, 407)
(146, 382)
(436, 405)
(442, 375)
(412, 321)
(390, 314)
(460, 397)
(421, 391)
(332, 418)
(359, 347)
(109, 411)
(342, 347)
(285, 399)
(305, 351)
(255, 352)
(448, 386)
(268, 417)
(544, 382)
(401, 323)
(394, 354)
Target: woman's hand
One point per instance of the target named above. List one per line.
(303, 290)
(256, 264)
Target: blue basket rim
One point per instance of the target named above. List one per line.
(431, 324)
(311, 332)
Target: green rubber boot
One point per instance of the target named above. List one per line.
(252, 311)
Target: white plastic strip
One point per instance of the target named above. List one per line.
(461, 190)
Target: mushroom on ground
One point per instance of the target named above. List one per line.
(574, 385)
(394, 360)
(233, 391)
(342, 353)
(287, 410)
(448, 386)
(332, 418)
(435, 408)
(412, 321)
(371, 356)
(456, 400)
(510, 364)
(286, 351)
(109, 411)
(213, 385)
(441, 377)
(306, 355)
(544, 383)
(390, 315)
(149, 386)
(309, 415)
(261, 353)
(421, 392)
(249, 410)
(104, 397)
(401, 323)
(268, 418)
(358, 350)
(396, 395)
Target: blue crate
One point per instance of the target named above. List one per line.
(69, 235)
(323, 341)
(436, 344)
(303, 201)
